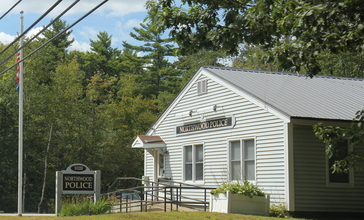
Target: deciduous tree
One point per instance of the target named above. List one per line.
(294, 31)
(333, 137)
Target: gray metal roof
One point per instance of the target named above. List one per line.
(297, 95)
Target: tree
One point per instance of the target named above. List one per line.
(102, 57)
(296, 32)
(334, 136)
(345, 64)
(56, 133)
(57, 49)
(159, 75)
(71, 117)
(254, 57)
(190, 64)
(125, 117)
(8, 137)
(62, 42)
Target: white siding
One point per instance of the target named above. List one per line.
(148, 165)
(311, 192)
(251, 122)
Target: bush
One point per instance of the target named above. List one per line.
(85, 208)
(246, 189)
(100, 207)
(279, 211)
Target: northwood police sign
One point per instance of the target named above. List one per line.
(205, 125)
(76, 182)
(77, 179)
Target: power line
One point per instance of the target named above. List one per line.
(31, 26)
(35, 36)
(60, 33)
(10, 9)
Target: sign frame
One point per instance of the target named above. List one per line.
(79, 176)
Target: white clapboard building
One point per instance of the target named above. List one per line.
(231, 125)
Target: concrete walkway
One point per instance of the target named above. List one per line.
(154, 206)
(26, 214)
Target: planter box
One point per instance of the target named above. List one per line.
(233, 203)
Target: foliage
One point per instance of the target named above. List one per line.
(86, 207)
(69, 117)
(62, 42)
(254, 57)
(126, 116)
(190, 64)
(159, 76)
(334, 136)
(247, 189)
(102, 58)
(294, 31)
(345, 64)
(8, 137)
(279, 211)
(58, 46)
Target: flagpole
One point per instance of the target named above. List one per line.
(20, 144)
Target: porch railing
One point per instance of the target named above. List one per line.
(166, 195)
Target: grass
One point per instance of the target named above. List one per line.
(149, 216)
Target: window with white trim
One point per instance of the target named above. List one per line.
(193, 162)
(201, 87)
(338, 178)
(242, 160)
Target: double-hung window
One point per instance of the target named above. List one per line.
(193, 162)
(242, 160)
(202, 87)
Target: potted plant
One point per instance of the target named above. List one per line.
(243, 198)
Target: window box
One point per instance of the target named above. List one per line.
(239, 198)
(234, 203)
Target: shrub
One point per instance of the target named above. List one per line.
(100, 207)
(279, 211)
(85, 208)
(246, 189)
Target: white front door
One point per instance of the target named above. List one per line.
(159, 165)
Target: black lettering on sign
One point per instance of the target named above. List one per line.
(210, 124)
(78, 182)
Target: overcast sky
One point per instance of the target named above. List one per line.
(116, 17)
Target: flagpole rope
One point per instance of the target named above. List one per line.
(31, 26)
(60, 33)
(45, 28)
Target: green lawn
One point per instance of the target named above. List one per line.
(154, 215)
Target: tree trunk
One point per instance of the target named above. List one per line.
(45, 168)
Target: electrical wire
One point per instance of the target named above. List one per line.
(31, 26)
(10, 9)
(60, 33)
(44, 28)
